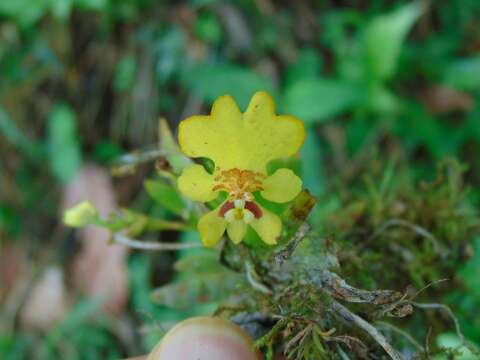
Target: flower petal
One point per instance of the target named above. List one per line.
(216, 136)
(196, 184)
(282, 186)
(245, 141)
(236, 230)
(268, 136)
(211, 227)
(268, 227)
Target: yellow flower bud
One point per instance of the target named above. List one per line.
(80, 215)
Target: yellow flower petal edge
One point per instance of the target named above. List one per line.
(236, 231)
(241, 145)
(246, 141)
(268, 227)
(282, 186)
(196, 184)
(211, 228)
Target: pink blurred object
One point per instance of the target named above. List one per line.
(46, 302)
(100, 268)
(205, 338)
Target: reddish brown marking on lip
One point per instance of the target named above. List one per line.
(254, 209)
(225, 207)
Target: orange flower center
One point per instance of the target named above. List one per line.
(239, 184)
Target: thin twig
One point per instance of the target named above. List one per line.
(416, 229)
(427, 342)
(371, 330)
(292, 244)
(403, 333)
(427, 286)
(150, 245)
(253, 279)
(447, 310)
(265, 339)
(297, 337)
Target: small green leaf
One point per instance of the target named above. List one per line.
(308, 65)
(454, 343)
(383, 38)
(62, 9)
(97, 5)
(464, 73)
(63, 144)
(24, 12)
(10, 220)
(166, 195)
(168, 143)
(201, 280)
(125, 73)
(200, 262)
(312, 166)
(211, 81)
(14, 135)
(320, 99)
(207, 28)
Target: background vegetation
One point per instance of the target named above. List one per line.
(388, 89)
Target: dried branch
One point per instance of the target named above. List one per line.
(403, 333)
(284, 253)
(350, 317)
(302, 334)
(340, 289)
(254, 280)
(151, 245)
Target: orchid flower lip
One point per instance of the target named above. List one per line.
(249, 206)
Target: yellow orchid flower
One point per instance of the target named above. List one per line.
(241, 145)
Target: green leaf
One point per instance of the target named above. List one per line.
(308, 65)
(63, 144)
(10, 220)
(166, 195)
(125, 73)
(320, 99)
(464, 73)
(312, 168)
(168, 143)
(62, 9)
(211, 81)
(383, 38)
(14, 135)
(24, 12)
(201, 279)
(200, 262)
(208, 28)
(454, 343)
(98, 5)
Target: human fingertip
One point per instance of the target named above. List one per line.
(205, 338)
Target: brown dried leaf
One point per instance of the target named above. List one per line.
(441, 99)
(12, 268)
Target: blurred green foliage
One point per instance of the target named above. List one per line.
(378, 82)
